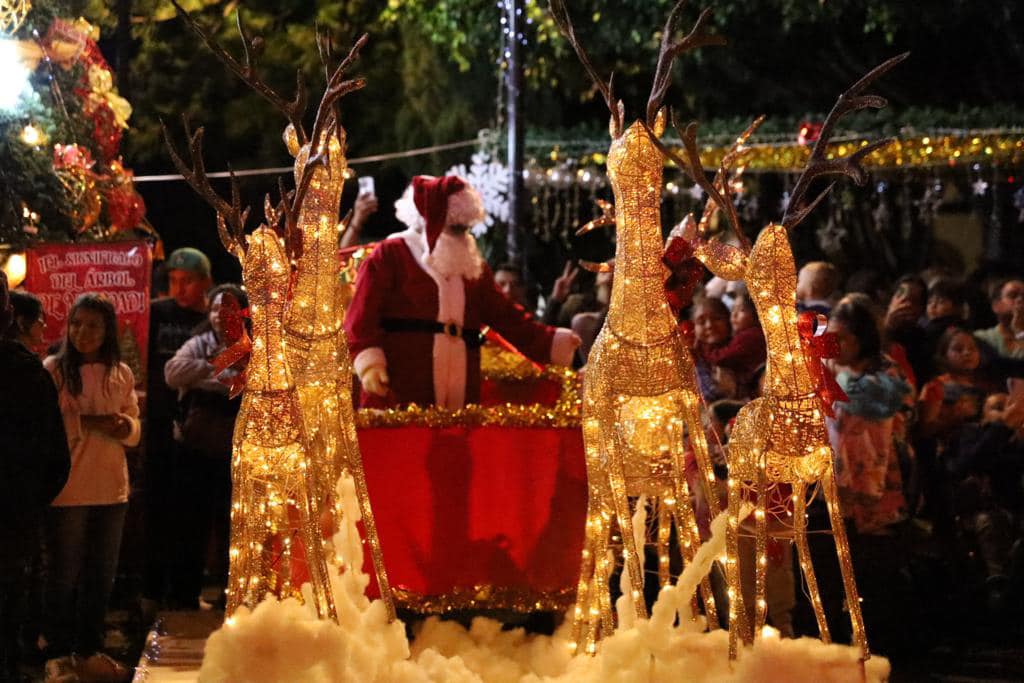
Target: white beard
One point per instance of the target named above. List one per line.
(456, 255)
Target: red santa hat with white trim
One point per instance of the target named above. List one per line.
(439, 202)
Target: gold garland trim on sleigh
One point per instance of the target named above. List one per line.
(999, 149)
(486, 597)
(497, 365)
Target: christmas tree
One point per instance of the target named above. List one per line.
(61, 123)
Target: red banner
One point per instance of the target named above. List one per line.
(59, 273)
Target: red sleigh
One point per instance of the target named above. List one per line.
(484, 507)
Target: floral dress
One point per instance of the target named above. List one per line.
(864, 435)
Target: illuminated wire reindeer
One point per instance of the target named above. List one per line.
(295, 432)
(317, 349)
(780, 438)
(640, 388)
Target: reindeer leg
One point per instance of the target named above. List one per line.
(587, 611)
(665, 514)
(690, 409)
(739, 626)
(760, 550)
(845, 563)
(804, 553)
(316, 562)
(238, 555)
(633, 559)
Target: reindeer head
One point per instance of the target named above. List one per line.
(633, 151)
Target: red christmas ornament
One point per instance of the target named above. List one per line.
(808, 132)
(125, 208)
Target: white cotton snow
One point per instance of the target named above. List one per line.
(282, 641)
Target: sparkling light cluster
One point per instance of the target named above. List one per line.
(317, 350)
(778, 439)
(639, 393)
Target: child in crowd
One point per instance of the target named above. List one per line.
(711, 332)
(815, 286)
(902, 325)
(946, 403)
(85, 521)
(956, 396)
(29, 321)
(745, 351)
(862, 432)
(944, 309)
(203, 430)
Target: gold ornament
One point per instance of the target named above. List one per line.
(12, 14)
(640, 395)
(83, 195)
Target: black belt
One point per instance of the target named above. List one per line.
(474, 338)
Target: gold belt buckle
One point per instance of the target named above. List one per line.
(453, 330)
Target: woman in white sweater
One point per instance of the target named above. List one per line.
(85, 521)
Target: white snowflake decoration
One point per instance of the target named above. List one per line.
(490, 178)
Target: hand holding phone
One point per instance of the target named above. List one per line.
(366, 185)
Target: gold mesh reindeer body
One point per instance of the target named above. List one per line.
(640, 395)
(296, 432)
(317, 350)
(274, 499)
(780, 438)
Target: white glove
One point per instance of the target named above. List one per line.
(375, 380)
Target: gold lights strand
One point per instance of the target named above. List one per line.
(640, 399)
(778, 438)
(924, 151)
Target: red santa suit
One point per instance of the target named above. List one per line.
(423, 326)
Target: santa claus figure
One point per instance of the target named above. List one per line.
(422, 299)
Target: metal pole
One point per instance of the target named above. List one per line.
(516, 239)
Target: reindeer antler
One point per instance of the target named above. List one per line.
(717, 191)
(231, 217)
(327, 115)
(253, 47)
(560, 14)
(819, 165)
(669, 51)
(722, 178)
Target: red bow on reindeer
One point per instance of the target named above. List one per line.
(239, 345)
(685, 270)
(819, 345)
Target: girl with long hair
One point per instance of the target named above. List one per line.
(85, 521)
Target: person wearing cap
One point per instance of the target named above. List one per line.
(422, 298)
(34, 466)
(172, 320)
